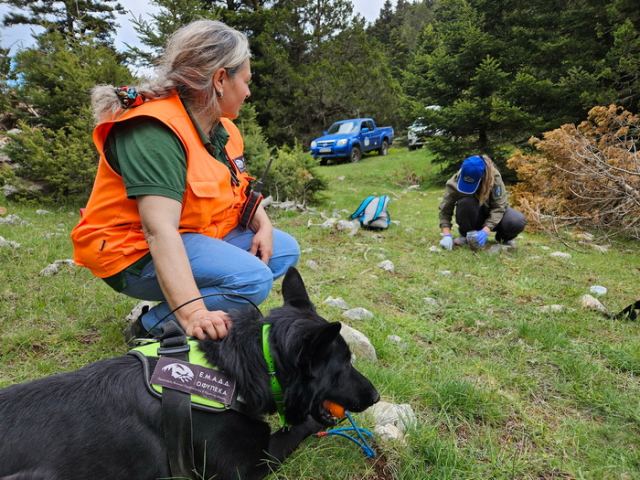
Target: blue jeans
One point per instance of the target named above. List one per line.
(219, 267)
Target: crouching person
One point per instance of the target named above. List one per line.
(164, 221)
(477, 195)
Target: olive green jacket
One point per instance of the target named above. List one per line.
(497, 202)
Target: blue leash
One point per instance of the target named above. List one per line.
(359, 437)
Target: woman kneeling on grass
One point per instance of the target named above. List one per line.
(162, 222)
(477, 194)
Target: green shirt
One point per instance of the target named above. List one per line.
(152, 161)
(149, 157)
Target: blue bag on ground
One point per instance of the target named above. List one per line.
(372, 212)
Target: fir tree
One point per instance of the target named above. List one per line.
(154, 33)
(384, 24)
(335, 90)
(5, 90)
(75, 18)
(457, 68)
(54, 147)
(58, 73)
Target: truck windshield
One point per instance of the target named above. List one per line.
(346, 127)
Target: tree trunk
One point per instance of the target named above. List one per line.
(482, 139)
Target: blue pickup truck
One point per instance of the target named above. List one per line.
(350, 139)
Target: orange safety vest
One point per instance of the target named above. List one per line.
(109, 236)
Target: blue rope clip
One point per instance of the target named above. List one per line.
(359, 437)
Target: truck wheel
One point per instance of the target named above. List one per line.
(356, 155)
(384, 148)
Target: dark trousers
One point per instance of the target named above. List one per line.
(470, 215)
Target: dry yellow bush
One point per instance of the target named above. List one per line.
(587, 176)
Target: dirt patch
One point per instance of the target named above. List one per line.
(90, 337)
(514, 434)
(555, 474)
(382, 469)
(423, 340)
(462, 430)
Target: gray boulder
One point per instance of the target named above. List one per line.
(54, 267)
(337, 302)
(358, 313)
(400, 416)
(359, 344)
(591, 303)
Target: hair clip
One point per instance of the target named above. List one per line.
(129, 97)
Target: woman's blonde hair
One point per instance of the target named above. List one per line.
(486, 184)
(192, 55)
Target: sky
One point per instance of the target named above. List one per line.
(20, 36)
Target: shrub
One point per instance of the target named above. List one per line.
(6, 174)
(56, 77)
(53, 154)
(586, 175)
(63, 162)
(256, 148)
(292, 174)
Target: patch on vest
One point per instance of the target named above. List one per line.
(497, 190)
(240, 163)
(194, 379)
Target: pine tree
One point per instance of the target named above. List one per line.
(5, 90)
(54, 148)
(75, 18)
(56, 76)
(173, 14)
(303, 25)
(384, 24)
(622, 65)
(457, 67)
(360, 84)
(398, 30)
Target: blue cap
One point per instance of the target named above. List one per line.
(471, 174)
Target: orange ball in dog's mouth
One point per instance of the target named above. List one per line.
(334, 409)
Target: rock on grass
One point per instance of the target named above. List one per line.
(591, 303)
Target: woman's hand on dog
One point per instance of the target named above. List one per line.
(203, 323)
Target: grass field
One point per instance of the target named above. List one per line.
(501, 389)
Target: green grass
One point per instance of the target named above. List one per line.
(501, 390)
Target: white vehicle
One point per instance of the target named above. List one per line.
(417, 134)
(419, 131)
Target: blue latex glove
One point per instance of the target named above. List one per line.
(447, 242)
(481, 238)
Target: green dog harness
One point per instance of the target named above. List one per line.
(195, 358)
(190, 381)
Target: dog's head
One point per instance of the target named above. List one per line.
(313, 360)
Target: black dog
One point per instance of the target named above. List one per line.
(100, 422)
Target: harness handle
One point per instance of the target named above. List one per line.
(176, 407)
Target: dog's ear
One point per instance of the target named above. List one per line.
(294, 291)
(319, 340)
